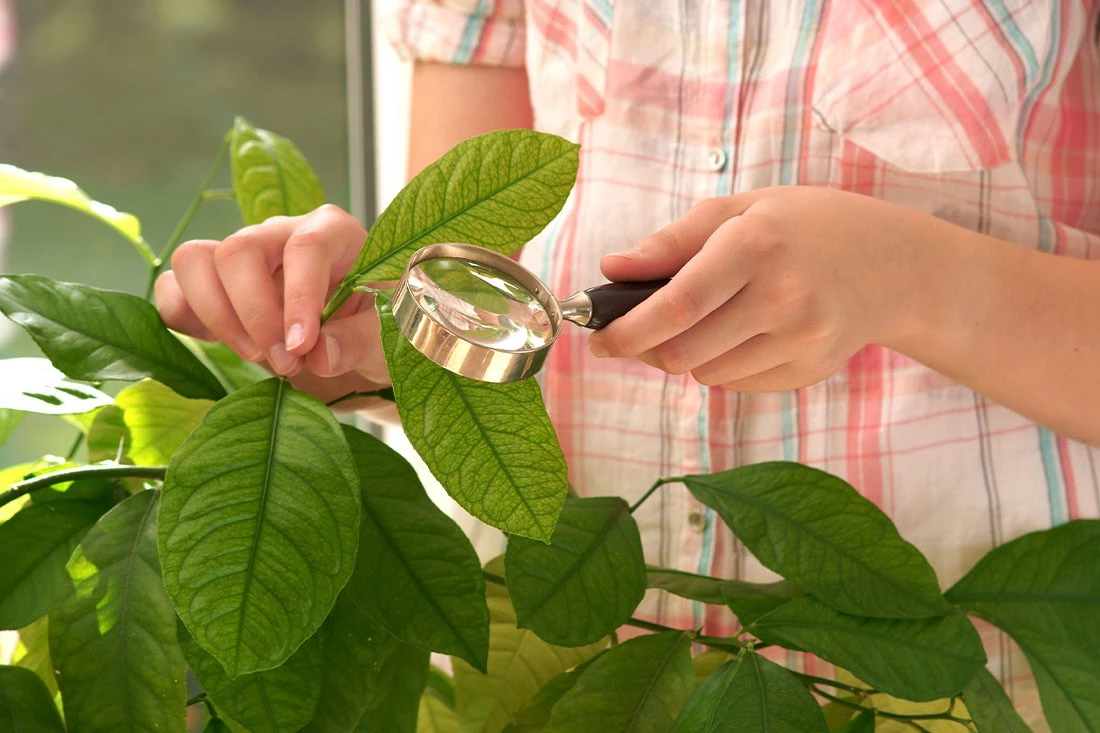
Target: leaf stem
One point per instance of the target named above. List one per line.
(79, 441)
(835, 683)
(177, 235)
(201, 697)
(495, 579)
(385, 393)
(656, 485)
(75, 474)
(900, 717)
(343, 292)
(218, 194)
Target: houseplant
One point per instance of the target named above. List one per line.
(226, 523)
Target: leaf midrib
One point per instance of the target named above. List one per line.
(574, 568)
(862, 631)
(276, 417)
(759, 675)
(1023, 597)
(645, 698)
(446, 220)
(1034, 659)
(124, 611)
(767, 509)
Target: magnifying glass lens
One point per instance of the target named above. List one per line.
(480, 304)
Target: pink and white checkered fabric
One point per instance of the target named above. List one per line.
(985, 113)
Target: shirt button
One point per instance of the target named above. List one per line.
(716, 159)
(697, 521)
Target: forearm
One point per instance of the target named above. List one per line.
(453, 103)
(1016, 325)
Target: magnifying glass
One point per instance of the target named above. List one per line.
(484, 316)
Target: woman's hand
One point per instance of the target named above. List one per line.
(262, 290)
(771, 290)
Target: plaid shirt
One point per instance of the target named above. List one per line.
(986, 114)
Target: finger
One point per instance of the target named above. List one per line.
(700, 287)
(757, 355)
(316, 256)
(245, 264)
(174, 310)
(667, 250)
(350, 344)
(196, 275)
(730, 325)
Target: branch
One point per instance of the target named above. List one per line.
(75, 474)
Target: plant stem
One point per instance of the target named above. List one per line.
(496, 579)
(75, 474)
(76, 446)
(649, 625)
(900, 717)
(218, 194)
(834, 683)
(201, 697)
(656, 485)
(385, 393)
(177, 235)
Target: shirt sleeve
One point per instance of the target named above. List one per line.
(485, 32)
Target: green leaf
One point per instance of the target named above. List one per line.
(1043, 590)
(97, 335)
(496, 190)
(279, 700)
(36, 544)
(863, 723)
(9, 419)
(25, 703)
(749, 601)
(416, 573)
(113, 638)
(217, 725)
(442, 685)
(989, 706)
(708, 662)
(520, 663)
(819, 533)
(271, 177)
(154, 420)
(587, 582)
(534, 717)
(916, 659)
(33, 652)
(751, 695)
(491, 446)
(396, 691)
(355, 653)
(18, 185)
(33, 385)
(638, 686)
(232, 371)
(435, 717)
(259, 525)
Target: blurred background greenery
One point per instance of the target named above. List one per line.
(130, 100)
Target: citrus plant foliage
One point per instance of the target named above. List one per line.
(226, 524)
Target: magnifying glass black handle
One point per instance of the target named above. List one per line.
(613, 300)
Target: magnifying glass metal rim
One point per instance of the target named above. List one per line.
(446, 347)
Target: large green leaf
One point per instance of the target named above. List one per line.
(35, 545)
(271, 177)
(989, 706)
(534, 717)
(25, 703)
(113, 638)
(491, 446)
(749, 601)
(416, 572)
(97, 335)
(587, 582)
(916, 659)
(395, 694)
(497, 190)
(358, 667)
(18, 185)
(819, 533)
(31, 384)
(279, 700)
(259, 525)
(638, 686)
(435, 717)
(155, 421)
(1043, 589)
(751, 695)
(520, 663)
(233, 371)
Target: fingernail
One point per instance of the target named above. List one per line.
(598, 350)
(247, 348)
(332, 352)
(629, 254)
(281, 360)
(295, 336)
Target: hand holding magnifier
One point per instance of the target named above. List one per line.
(484, 316)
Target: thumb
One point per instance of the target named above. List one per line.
(664, 252)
